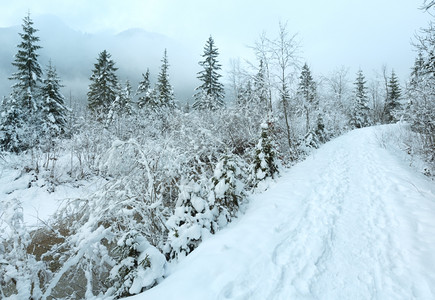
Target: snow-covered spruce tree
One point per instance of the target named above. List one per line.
(227, 188)
(306, 94)
(163, 86)
(20, 120)
(316, 136)
(138, 263)
(420, 111)
(261, 88)
(191, 222)
(210, 94)
(392, 103)
(123, 104)
(265, 158)
(360, 111)
(54, 112)
(103, 89)
(144, 92)
(417, 70)
(12, 127)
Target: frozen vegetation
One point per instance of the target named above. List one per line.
(282, 185)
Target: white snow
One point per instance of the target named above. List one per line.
(353, 221)
(33, 192)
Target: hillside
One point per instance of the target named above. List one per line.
(353, 221)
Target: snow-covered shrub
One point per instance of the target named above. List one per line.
(227, 188)
(191, 222)
(139, 265)
(21, 275)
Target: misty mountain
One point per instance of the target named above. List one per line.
(74, 54)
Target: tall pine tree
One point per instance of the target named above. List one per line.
(29, 72)
(210, 93)
(144, 91)
(19, 124)
(307, 94)
(164, 88)
(53, 108)
(261, 89)
(103, 89)
(360, 112)
(392, 103)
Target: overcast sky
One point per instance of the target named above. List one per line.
(354, 33)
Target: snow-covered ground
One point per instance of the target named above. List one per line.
(353, 221)
(34, 193)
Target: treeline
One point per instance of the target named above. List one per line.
(174, 174)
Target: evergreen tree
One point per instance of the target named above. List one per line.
(261, 90)
(392, 104)
(227, 188)
(210, 93)
(103, 89)
(191, 222)
(307, 86)
(360, 111)
(418, 70)
(53, 110)
(122, 105)
(144, 91)
(265, 159)
(11, 125)
(20, 120)
(164, 88)
(29, 73)
(126, 102)
(307, 94)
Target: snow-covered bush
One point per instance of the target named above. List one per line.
(21, 275)
(191, 222)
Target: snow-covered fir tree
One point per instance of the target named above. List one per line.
(417, 70)
(136, 261)
(191, 222)
(122, 106)
(20, 120)
(103, 89)
(12, 127)
(420, 110)
(210, 94)
(163, 86)
(125, 103)
(360, 111)
(227, 188)
(392, 103)
(265, 163)
(144, 91)
(29, 72)
(53, 112)
(306, 94)
(261, 89)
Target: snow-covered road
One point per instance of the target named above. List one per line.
(350, 222)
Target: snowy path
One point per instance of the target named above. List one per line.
(350, 222)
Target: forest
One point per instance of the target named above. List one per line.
(172, 173)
